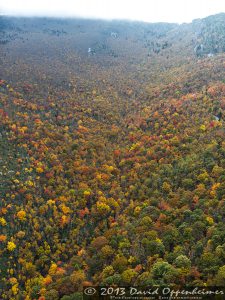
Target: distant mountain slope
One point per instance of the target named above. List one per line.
(210, 35)
(146, 52)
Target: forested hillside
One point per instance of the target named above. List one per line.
(112, 155)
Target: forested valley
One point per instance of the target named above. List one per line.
(112, 155)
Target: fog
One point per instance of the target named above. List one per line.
(144, 10)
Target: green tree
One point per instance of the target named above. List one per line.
(164, 273)
(182, 261)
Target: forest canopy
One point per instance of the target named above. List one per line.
(112, 160)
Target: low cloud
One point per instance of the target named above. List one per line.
(145, 10)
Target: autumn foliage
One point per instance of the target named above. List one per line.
(117, 178)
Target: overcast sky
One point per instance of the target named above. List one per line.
(144, 10)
